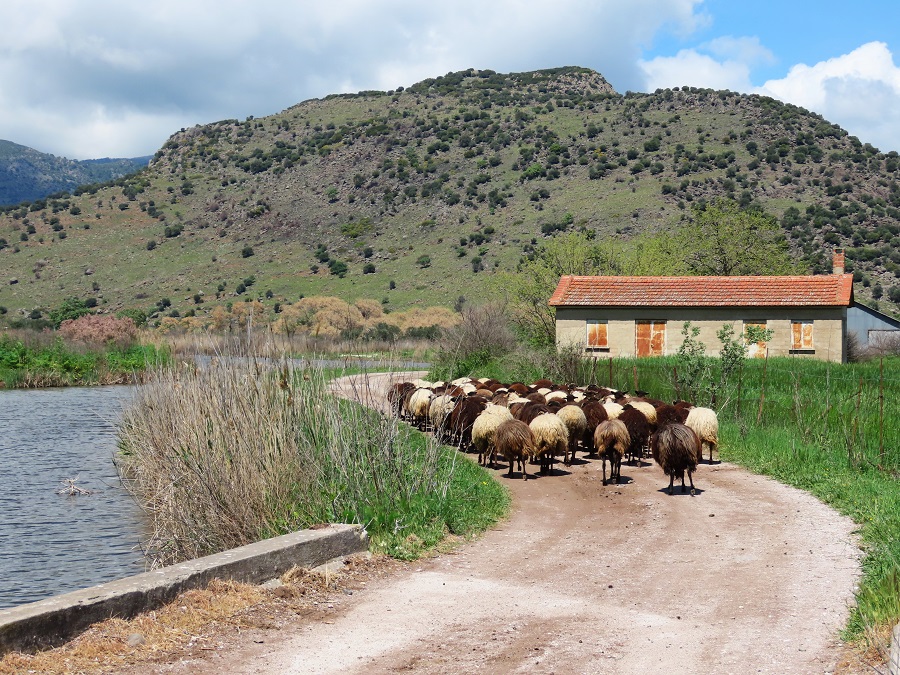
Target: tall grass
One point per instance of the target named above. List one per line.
(830, 429)
(48, 361)
(246, 448)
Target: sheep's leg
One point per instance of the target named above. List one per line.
(691, 478)
(683, 489)
(671, 482)
(512, 462)
(618, 468)
(612, 469)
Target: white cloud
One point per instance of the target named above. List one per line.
(860, 91)
(727, 65)
(691, 68)
(105, 77)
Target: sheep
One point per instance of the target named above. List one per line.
(638, 431)
(514, 440)
(676, 448)
(418, 406)
(611, 440)
(705, 424)
(484, 430)
(463, 417)
(529, 411)
(668, 414)
(576, 423)
(397, 394)
(556, 395)
(551, 439)
(439, 410)
(648, 410)
(613, 409)
(595, 413)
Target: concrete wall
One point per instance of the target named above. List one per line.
(50, 622)
(829, 327)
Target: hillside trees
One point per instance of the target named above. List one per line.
(724, 240)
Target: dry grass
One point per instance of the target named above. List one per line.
(197, 622)
(247, 448)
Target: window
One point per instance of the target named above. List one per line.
(755, 350)
(597, 337)
(801, 336)
(650, 338)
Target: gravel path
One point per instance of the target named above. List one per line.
(748, 576)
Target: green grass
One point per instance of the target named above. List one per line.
(58, 365)
(830, 429)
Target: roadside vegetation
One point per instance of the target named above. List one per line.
(830, 429)
(262, 447)
(65, 359)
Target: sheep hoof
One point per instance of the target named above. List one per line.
(693, 492)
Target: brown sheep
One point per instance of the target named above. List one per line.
(595, 413)
(676, 449)
(669, 414)
(638, 431)
(612, 441)
(514, 441)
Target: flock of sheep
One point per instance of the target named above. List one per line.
(543, 422)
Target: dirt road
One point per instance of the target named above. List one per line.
(748, 576)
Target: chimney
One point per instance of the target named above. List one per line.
(838, 261)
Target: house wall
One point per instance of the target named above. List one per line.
(829, 327)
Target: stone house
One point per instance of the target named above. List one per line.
(643, 316)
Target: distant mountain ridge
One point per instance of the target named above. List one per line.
(419, 196)
(27, 174)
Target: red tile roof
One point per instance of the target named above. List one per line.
(832, 290)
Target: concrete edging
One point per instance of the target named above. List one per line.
(50, 622)
(894, 659)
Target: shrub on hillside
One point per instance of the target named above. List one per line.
(95, 329)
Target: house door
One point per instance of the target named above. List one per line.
(650, 338)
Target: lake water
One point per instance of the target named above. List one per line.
(51, 543)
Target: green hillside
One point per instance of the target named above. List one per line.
(418, 196)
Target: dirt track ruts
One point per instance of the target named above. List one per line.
(748, 576)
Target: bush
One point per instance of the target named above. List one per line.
(246, 252)
(71, 308)
(101, 330)
(423, 261)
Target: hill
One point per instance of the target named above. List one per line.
(27, 175)
(418, 196)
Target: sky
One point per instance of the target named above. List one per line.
(86, 79)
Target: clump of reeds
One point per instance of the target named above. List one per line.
(229, 450)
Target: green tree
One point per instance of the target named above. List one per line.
(71, 308)
(724, 240)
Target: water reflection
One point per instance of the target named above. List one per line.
(51, 543)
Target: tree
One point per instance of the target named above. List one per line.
(724, 240)
(71, 308)
(531, 287)
(424, 261)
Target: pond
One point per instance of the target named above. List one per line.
(52, 543)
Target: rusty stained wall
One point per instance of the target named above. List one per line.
(829, 327)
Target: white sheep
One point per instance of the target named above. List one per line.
(576, 424)
(551, 439)
(483, 431)
(613, 409)
(704, 423)
(418, 406)
(439, 408)
(646, 408)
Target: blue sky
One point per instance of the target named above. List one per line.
(98, 78)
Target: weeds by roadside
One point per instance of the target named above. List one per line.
(246, 448)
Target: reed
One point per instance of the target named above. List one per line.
(244, 448)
